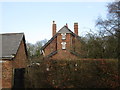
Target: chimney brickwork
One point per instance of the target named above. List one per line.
(76, 28)
(53, 28)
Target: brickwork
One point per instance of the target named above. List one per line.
(56, 45)
(53, 28)
(7, 76)
(51, 47)
(67, 40)
(20, 59)
(63, 54)
(76, 28)
(8, 67)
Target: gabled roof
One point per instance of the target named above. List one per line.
(10, 44)
(64, 29)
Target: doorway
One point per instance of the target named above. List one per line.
(19, 78)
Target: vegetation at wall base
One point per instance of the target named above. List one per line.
(73, 74)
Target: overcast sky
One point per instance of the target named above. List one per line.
(35, 18)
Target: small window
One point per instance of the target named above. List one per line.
(63, 45)
(63, 36)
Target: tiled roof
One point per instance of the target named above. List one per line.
(64, 30)
(10, 43)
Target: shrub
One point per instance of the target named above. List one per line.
(73, 74)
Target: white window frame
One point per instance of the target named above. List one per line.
(63, 36)
(63, 45)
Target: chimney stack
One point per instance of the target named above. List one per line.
(76, 28)
(53, 28)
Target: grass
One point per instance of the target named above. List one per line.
(73, 74)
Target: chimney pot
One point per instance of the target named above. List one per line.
(53, 22)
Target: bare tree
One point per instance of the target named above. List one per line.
(110, 25)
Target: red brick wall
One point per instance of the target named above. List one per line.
(64, 54)
(61, 54)
(21, 58)
(51, 47)
(7, 76)
(59, 41)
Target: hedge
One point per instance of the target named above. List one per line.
(73, 74)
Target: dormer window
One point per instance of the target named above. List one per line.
(63, 36)
(63, 45)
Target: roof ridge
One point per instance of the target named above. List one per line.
(11, 33)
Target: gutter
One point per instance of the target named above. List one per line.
(7, 57)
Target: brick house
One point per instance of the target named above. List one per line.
(63, 44)
(13, 58)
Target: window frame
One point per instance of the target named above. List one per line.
(63, 36)
(63, 45)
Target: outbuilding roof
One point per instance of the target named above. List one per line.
(10, 43)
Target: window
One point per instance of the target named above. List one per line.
(63, 36)
(63, 45)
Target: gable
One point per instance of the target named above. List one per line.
(49, 41)
(64, 29)
(10, 44)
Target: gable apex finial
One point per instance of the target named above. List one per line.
(66, 25)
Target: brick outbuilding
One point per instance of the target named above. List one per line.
(63, 44)
(13, 58)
